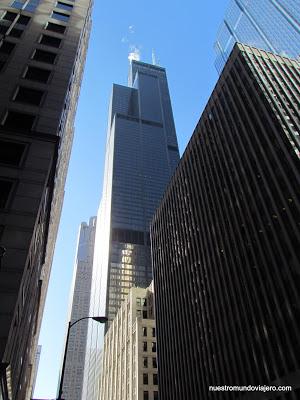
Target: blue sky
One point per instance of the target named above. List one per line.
(182, 34)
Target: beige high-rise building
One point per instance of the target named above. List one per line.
(79, 308)
(129, 368)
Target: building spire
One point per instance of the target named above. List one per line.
(153, 57)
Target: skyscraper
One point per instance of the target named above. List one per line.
(272, 25)
(79, 308)
(226, 239)
(42, 52)
(129, 354)
(141, 155)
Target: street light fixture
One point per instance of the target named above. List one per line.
(101, 320)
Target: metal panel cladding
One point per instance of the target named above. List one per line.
(226, 239)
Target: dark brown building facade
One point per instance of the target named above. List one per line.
(226, 240)
(42, 52)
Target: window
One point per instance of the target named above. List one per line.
(7, 47)
(5, 189)
(146, 395)
(50, 41)
(144, 301)
(155, 395)
(145, 362)
(3, 29)
(144, 346)
(145, 379)
(153, 332)
(9, 16)
(30, 96)
(154, 347)
(23, 20)
(19, 121)
(154, 362)
(44, 56)
(145, 314)
(30, 6)
(64, 6)
(60, 16)
(155, 379)
(37, 74)
(144, 331)
(55, 27)
(11, 153)
(16, 32)
(138, 301)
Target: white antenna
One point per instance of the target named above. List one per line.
(153, 57)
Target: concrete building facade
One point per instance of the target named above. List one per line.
(129, 369)
(226, 240)
(79, 308)
(42, 52)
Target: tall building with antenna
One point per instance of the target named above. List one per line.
(141, 156)
(272, 25)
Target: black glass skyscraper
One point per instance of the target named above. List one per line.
(226, 239)
(141, 155)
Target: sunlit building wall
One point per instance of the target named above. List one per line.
(79, 308)
(129, 355)
(141, 155)
(272, 25)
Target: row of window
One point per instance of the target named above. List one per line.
(153, 346)
(146, 364)
(11, 153)
(31, 6)
(15, 120)
(145, 331)
(146, 395)
(146, 379)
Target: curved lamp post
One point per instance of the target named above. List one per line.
(102, 320)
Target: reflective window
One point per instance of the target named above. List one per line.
(30, 5)
(60, 16)
(64, 6)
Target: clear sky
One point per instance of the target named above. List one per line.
(182, 34)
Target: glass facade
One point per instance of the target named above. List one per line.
(245, 21)
(141, 155)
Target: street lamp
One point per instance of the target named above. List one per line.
(102, 320)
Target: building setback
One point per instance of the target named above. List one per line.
(129, 354)
(79, 308)
(42, 52)
(245, 21)
(226, 239)
(141, 155)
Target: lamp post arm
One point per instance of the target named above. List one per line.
(80, 319)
